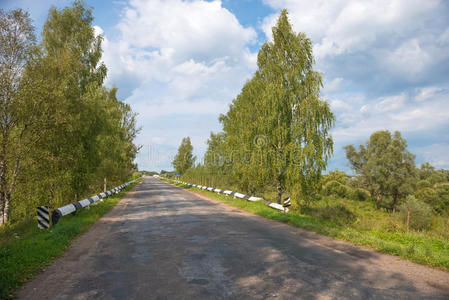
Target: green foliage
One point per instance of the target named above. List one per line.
(387, 168)
(360, 194)
(420, 213)
(184, 159)
(427, 195)
(18, 114)
(149, 173)
(425, 171)
(437, 198)
(443, 194)
(423, 184)
(276, 132)
(437, 177)
(68, 132)
(336, 214)
(335, 188)
(338, 176)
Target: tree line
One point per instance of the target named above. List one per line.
(62, 132)
(276, 140)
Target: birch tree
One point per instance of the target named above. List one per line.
(17, 43)
(294, 119)
(184, 159)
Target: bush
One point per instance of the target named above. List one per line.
(338, 214)
(360, 194)
(423, 184)
(443, 199)
(338, 176)
(436, 198)
(428, 195)
(420, 213)
(337, 189)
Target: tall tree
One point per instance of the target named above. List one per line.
(72, 53)
(17, 44)
(61, 131)
(184, 159)
(292, 120)
(386, 166)
(245, 146)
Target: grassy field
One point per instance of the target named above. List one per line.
(360, 223)
(24, 249)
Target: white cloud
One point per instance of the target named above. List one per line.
(409, 59)
(194, 29)
(429, 93)
(178, 62)
(347, 26)
(335, 85)
(435, 154)
(391, 103)
(385, 66)
(377, 42)
(395, 112)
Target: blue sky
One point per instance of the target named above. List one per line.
(180, 63)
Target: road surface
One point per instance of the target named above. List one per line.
(161, 242)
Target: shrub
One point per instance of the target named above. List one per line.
(443, 199)
(420, 213)
(436, 198)
(338, 214)
(338, 176)
(428, 195)
(436, 178)
(423, 184)
(337, 189)
(360, 194)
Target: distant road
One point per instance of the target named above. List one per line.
(161, 242)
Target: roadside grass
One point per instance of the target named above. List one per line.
(25, 249)
(354, 221)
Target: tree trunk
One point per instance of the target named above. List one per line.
(279, 190)
(6, 209)
(12, 187)
(377, 198)
(395, 200)
(408, 220)
(3, 171)
(1, 213)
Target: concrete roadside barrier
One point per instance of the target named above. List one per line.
(277, 206)
(73, 207)
(238, 195)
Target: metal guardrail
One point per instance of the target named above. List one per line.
(73, 207)
(277, 206)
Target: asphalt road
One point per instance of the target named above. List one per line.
(161, 242)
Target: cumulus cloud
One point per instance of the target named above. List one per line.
(176, 62)
(385, 66)
(377, 44)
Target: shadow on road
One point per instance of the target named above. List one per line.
(165, 243)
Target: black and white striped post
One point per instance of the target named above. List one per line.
(43, 217)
